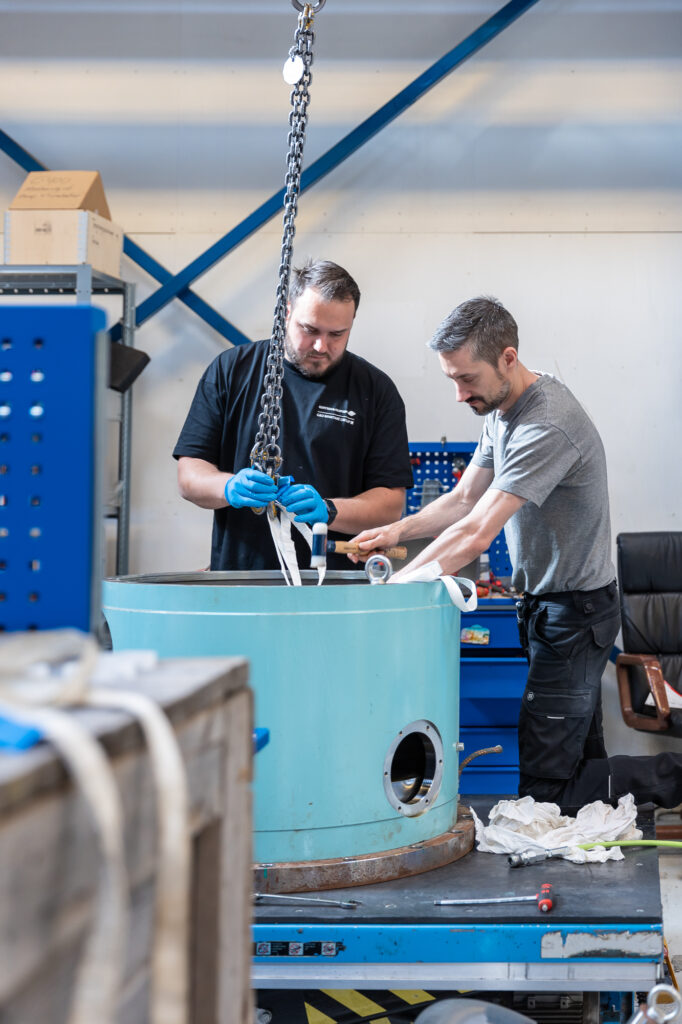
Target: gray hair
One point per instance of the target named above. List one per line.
(329, 279)
(482, 323)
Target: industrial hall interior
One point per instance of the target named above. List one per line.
(340, 493)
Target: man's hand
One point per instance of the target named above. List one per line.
(305, 502)
(377, 539)
(249, 488)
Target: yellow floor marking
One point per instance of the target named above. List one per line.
(316, 1016)
(412, 997)
(354, 1001)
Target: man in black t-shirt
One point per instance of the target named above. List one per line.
(343, 435)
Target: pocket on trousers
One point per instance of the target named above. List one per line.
(553, 725)
(604, 633)
(554, 636)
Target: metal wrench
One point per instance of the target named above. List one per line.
(543, 899)
(346, 904)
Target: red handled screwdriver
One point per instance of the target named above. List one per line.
(543, 898)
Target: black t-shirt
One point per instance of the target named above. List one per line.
(343, 434)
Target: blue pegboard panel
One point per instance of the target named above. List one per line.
(436, 468)
(52, 374)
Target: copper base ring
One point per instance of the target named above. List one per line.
(341, 872)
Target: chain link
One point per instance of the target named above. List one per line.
(266, 454)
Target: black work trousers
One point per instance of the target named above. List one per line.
(567, 639)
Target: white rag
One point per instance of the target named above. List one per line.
(518, 825)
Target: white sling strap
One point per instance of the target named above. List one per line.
(98, 978)
(280, 528)
(431, 572)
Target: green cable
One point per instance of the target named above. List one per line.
(631, 842)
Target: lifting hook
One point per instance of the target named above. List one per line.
(301, 7)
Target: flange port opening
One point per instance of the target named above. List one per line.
(413, 769)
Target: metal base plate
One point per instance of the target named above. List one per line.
(341, 872)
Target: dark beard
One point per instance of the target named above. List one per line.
(307, 371)
(494, 402)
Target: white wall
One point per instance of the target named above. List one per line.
(545, 171)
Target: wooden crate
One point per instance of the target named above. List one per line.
(49, 856)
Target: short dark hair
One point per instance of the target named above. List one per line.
(332, 282)
(483, 324)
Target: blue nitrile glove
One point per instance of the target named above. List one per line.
(305, 502)
(284, 483)
(15, 735)
(249, 488)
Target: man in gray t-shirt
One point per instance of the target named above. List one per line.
(546, 450)
(539, 471)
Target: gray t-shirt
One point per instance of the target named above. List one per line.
(547, 450)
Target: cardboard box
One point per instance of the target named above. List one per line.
(62, 190)
(62, 217)
(64, 237)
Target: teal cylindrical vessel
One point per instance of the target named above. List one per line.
(358, 685)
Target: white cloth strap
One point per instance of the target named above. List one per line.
(431, 572)
(99, 974)
(452, 585)
(280, 528)
(170, 953)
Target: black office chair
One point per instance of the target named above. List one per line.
(650, 580)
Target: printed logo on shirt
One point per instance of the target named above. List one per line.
(330, 412)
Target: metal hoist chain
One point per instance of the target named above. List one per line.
(266, 454)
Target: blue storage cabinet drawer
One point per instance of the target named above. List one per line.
(499, 616)
(490, 773)
(492, 678)
(498, 781)
(491, 691)
(477, 739)
(478, 713)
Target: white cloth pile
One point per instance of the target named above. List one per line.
(519, 825)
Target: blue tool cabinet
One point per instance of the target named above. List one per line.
(492, 677)
(52, 376)
(492, 680)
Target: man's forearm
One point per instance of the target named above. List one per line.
(374, 507)
(453, 548)
(463, 541)
(202, 483)
(436, 516)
